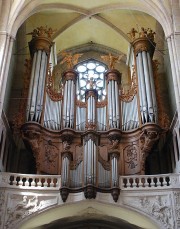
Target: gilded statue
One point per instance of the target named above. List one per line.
(70, 59)
(132, 33)
(111, 60)
(42, 31)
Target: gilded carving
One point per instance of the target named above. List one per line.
(19, 118)
(54, 95)
(69, 59)
(112, 60)
(143, 33)
(128, 96)
(163, 118)
(102, 103)
(147, 140)
(42, 31)
(81, 104)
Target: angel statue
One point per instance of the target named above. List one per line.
(70, 59)
(132, 33)
(112, 60)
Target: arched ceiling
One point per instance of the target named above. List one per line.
(101, 22)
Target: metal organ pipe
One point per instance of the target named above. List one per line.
(113, 78)
(152, 87)
(144, 48)
(114, 170)
(69, 78)
(142, 88)
(40, 47)
(65, 173)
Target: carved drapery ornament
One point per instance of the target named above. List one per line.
(19, 118)
(128, 96)
(163, 118)
(53, 94)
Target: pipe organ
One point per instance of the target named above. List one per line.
(91, 138)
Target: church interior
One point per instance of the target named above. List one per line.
(90, 115)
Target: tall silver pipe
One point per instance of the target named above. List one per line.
(152, 86)
(64, 104)
(31, 86)
(148, 86)
(35, 85)
(142, 88)
(117, 104)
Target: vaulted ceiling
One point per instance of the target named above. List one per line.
(101, 22)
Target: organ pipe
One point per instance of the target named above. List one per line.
(40, 47)
(113, 78)
(69, 79)
(144, 48)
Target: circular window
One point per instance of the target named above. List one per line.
(91, 70)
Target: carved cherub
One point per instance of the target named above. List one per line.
(50, 32)
(41, 30)
(151, 35)
(132, 33)
(34, 33)
(143, 32)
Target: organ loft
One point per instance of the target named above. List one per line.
(90, 130)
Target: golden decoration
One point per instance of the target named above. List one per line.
(70, 59)
(163, 118)
(81, 104)
(128, 96)
(144, 33)
(112, 60)
(42, 31)
(19, 118)
(53, 94)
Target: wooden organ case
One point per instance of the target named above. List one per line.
(91, 143)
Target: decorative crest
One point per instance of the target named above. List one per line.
(42, 31)
(70, 59)
(112, 60)
(144, 33)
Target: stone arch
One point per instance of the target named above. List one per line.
(89, 210)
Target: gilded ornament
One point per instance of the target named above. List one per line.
(112, 60)
(69, 59)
